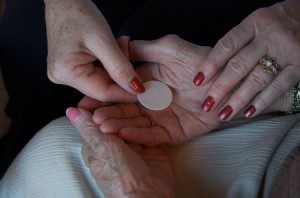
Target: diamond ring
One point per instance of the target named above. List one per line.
(270, 65)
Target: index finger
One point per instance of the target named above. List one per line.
(225, 48)
(115, 63)
(95, 83)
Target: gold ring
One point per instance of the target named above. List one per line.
(150, 120)
(270, 65)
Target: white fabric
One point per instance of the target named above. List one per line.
(240, 159)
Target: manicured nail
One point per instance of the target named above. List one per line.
(225, 113)
(208, 104)
(250, 111)
(136, 85)
(199, 79)
(73, 114)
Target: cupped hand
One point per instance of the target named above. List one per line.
(83, 53)
(120, 169)
(172, 61)
(273, 32)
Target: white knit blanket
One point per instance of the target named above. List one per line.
(242, 158)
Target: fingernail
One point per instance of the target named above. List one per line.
(136, 85)
(199, 79)
(250, 111)
(225, 113)
(208, 104)
(73, 114)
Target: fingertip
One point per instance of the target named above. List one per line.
(100, 115)
(250, 111)
(225, 113)
(96, 119)
(73, 114)
(104, 128)
(137, 86)
(199, 78)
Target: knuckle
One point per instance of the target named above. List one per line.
(104, 97)
(213, 66)
(92, 39)
(257, 80)
(262, 102)
(276, 86)
(237, 98)
(170, 41)
(170, 38)
(54, 73)
(219, 88)
(226, 44)
(238, 66)
(51, 77)
(123, 71)
(259, 14)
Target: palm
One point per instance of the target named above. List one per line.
(174, 62)
(184, 119)
(181, 121)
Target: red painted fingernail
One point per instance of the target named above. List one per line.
(250, 111)
(225, 113)
(199, 79)
(136, 85)
(73, 114)
(208, 104)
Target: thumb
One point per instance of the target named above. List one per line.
(116, 64)
(167, 50)
(161, 50)
(82, 121)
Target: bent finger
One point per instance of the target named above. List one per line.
(146, 136)
(114, 125)
(91, 104)
(116, 64)
(118, 111)
(93, 82)
(167, 50)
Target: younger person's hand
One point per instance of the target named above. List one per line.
(83, 53)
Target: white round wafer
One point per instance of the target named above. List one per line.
(157, 96)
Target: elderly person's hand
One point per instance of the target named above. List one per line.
(83, 53)
(174, 62)
(272, 32)
(120, 169)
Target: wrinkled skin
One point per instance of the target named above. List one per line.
(120, 169)
(176, 61)
(272, 31)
